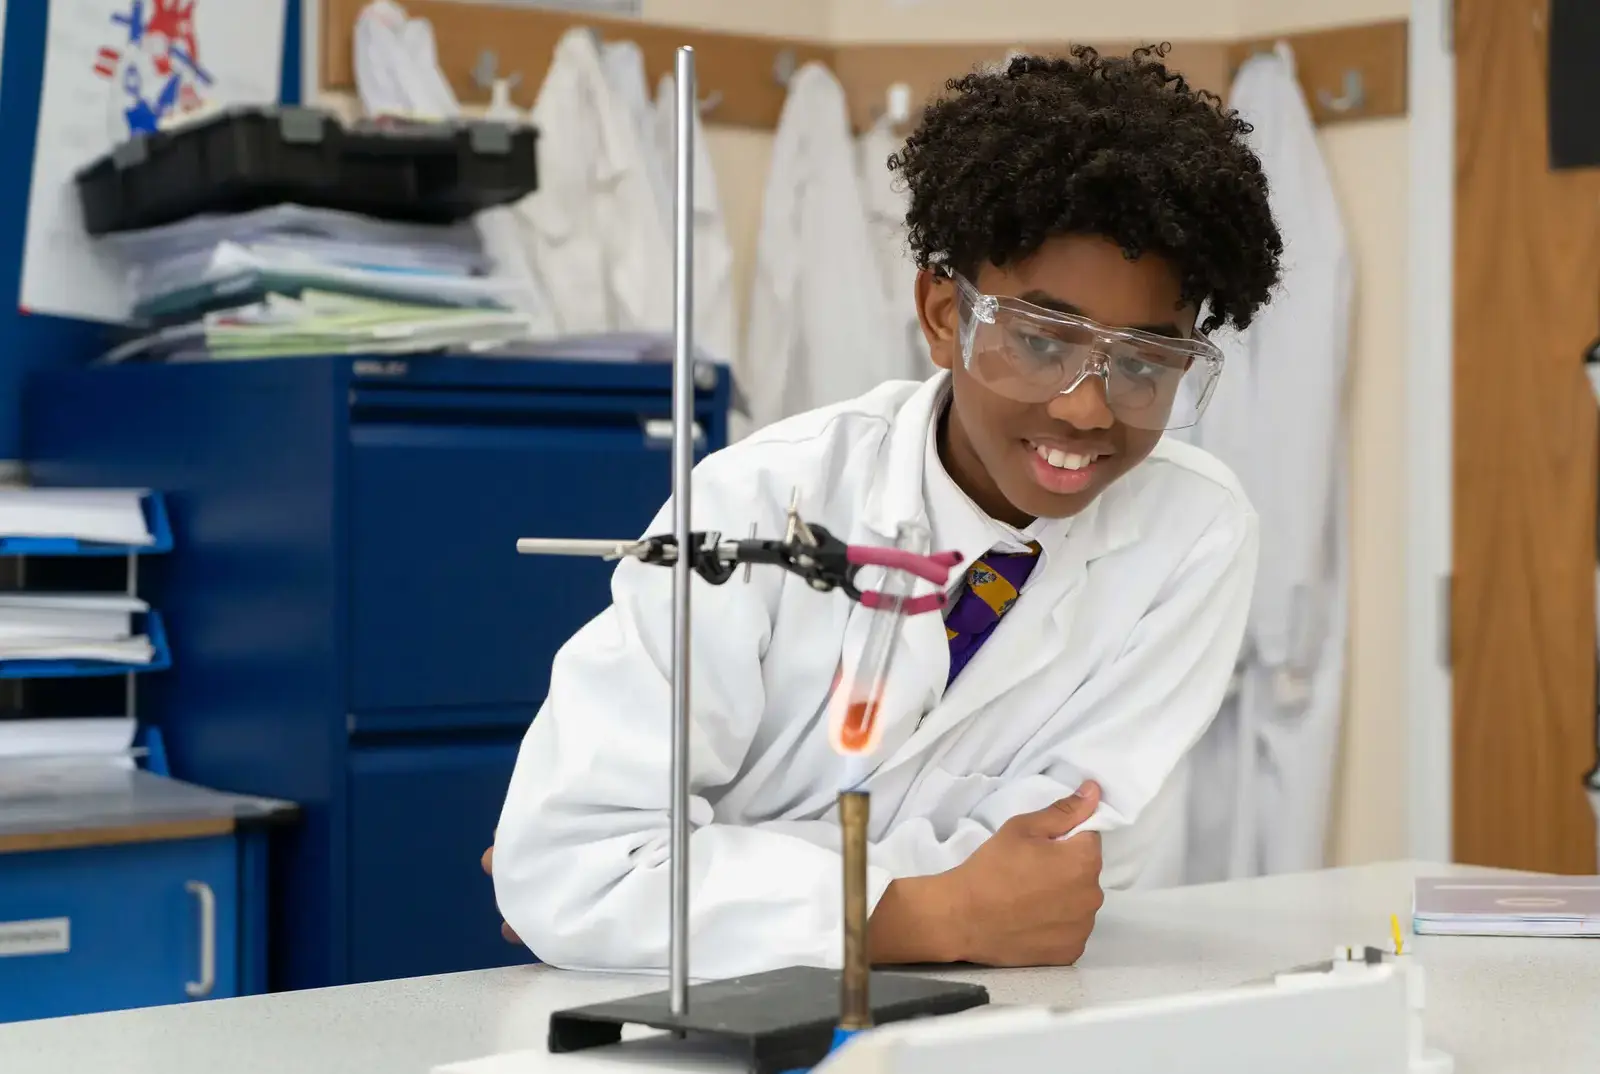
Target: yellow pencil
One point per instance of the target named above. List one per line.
(1394, 925)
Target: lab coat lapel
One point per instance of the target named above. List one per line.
(1032, 635)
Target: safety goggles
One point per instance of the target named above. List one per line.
(1032, 354)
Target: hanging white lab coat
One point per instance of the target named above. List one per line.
(716, 323)
(624, 67)
(593, 230)
(1263, 779)
(819, 327)
(397, 65)
(1109, 667)
(886, 201)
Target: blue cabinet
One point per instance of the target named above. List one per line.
(121, 888)
(409, 804)
(351, 626)
(433, 505)
(130, 925)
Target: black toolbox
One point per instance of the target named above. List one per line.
(250, 157)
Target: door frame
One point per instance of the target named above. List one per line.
(1429, 427)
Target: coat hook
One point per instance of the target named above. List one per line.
(783, 67)
(1353, 99)
(484, 70)
(487, 67)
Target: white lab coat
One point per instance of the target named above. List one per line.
(1109, 668)
(1263, 778)
(397, 65)
(630, 90)
(593, 230)
(716, 323)
(886, 202)
(819, 331)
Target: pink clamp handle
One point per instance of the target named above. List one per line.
(928, 602)
(934, 568)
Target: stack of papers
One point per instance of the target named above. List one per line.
(216, 280)
(200, 281)
(108, 740)
(320, 323)
(111, 516)
(455, 244)
(86, 626)
(1508, 906)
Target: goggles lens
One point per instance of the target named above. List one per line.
(1031, 354)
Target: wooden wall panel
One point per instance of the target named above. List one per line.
(867, 71)
(1375, 53)
(1527, 304)
(738, 71)
(524, 39)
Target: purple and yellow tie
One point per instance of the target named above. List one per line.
(991, 587)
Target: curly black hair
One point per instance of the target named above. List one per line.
(1115, 146)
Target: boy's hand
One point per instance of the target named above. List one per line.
(1028, 897)
(1022, 899)
(488, 867)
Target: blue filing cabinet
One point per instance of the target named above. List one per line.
(119, 888)
(352, 629)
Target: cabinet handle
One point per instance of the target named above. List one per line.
(658, 431)
(208, 939)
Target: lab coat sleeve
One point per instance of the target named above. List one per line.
(581, 866)
(1129, 727)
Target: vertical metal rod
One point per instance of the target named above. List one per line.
(682, 469)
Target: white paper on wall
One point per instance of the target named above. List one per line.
(114, 68)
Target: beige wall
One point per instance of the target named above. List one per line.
(790, 18)
(1369, 164)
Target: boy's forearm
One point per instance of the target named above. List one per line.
(917, 920)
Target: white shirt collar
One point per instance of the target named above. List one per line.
(956, 522)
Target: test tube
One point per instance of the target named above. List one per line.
(854, 728)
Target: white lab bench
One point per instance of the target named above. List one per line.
(1498, 1005)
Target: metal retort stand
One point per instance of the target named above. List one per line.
(788, 1018)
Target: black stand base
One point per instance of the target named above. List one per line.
(782, 1020)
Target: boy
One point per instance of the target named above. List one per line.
(1080, 225)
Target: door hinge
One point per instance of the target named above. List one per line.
(1446, 623)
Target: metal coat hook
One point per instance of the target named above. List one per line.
(784, 66)
(1353, 99)
(487, 67)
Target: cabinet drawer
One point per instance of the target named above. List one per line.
(444, 613)
(117, 926)
(420, 818)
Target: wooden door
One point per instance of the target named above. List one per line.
(1527, 304)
